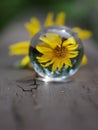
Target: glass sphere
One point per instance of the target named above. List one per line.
(56, 53)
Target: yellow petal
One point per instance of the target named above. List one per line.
(43, 45)
(60, 19)
(33, 26)
(60, 64)
(69, 41)
(84, 60)
(83, 34)
(49, 20)
(19, 52)
(72, 47)
(68, 62)
(73, 52)
(47, 64)
(51, 39)
(44, 39)
(24, 44)
(30, 29)
(25, 61)
(20, 48)
(45, 58)
(54, 66)
(43, 48)
(34, 21)
(72, 55)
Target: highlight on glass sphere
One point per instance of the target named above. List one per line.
(56, 53)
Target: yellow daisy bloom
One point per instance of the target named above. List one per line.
(56, 52)
(33, 27)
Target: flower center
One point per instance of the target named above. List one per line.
(60, 51)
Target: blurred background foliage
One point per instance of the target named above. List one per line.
(83, 13)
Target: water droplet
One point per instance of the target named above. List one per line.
(56, 53)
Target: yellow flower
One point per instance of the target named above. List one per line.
(33, 27)
(56, 52)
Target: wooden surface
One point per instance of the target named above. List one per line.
(53, 106)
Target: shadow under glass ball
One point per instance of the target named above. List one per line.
(47, 71)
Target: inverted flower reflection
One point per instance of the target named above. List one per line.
(57, 52)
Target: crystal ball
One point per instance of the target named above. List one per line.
(56, 52)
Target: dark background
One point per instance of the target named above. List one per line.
(82, 13)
